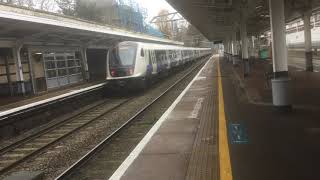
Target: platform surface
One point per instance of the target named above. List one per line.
(271, 145)
(182, 145)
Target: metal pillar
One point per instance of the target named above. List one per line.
(8, 75)
(281, 81)
(244, 41)
(33, 81)
(85, 63)
(230, 50)
(234, 48)
(253, 54)
(20, 78)
(226, 48)
(308, 41)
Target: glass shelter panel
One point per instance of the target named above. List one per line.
(62, 68)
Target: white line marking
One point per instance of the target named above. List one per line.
(138, 149)
(48, 100)
(201, 78)
(194, 114)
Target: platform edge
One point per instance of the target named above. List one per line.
(138, 149)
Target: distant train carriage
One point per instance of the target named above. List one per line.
(133, 63)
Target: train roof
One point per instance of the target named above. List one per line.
(162, 46)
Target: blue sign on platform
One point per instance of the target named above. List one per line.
(238, 134)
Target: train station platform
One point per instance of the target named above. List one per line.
(183, 143)
(264, 143)
(11, 102)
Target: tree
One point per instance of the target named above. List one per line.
(7, 1)
(68, 7)
(46, 5)
(89, 10)
(163, 22)
(84, 9)
(26, 3)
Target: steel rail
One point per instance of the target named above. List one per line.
(18, 144)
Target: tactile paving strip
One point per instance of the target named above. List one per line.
(203, 161)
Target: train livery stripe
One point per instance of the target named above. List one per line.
(224, 156)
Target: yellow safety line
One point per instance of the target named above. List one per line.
(224, 156)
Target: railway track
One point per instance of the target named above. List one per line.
(20, 120)
(23, 149)
(128, 134)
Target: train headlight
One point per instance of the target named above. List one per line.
(113, 72)
(130, 71)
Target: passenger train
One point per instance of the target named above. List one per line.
(133, 64)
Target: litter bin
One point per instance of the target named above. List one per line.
(281, 92)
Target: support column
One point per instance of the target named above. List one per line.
(33, 81)
(85, 63)
(227, 50)
(244, 41)
(234, 48)
(8, 75)
(281, 81)
(308, 41)
(224, 47)
(230, 50)
(253, 52)
(20, 78)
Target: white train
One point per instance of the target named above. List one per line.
(296, 39)
(134, 63)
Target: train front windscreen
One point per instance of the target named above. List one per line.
(122, 60)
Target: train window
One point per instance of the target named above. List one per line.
(160, 55)
(142, 53)
(123, 55)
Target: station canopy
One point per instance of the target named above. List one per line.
(38, 27)
(216, 19)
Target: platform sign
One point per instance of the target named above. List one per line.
(237, 134)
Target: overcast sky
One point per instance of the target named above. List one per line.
(154, 6)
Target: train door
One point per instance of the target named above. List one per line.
(169, 59)
(183, 56)
(147, 57)
(153, 62)
(178, 57)
(174, 58)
